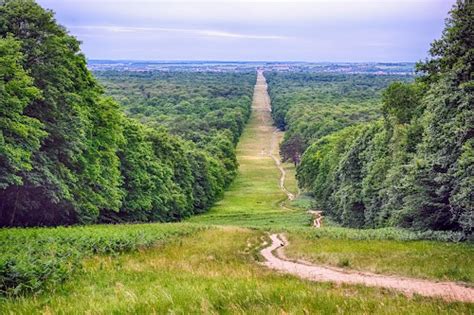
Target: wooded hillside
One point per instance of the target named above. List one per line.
(69, 155)
(412, 167)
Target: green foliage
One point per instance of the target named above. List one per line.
(194, 105)
(75, 172)
(292, 149)
(204, 114)
(442, 170)
(53, 255)
(20, 135)
(453, 52)
(311, 105)
(69, 155)
(415, 168)
(401, 100)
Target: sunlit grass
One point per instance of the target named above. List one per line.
(212, 272)
(421, 259)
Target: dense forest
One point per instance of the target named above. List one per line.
(68, 153)
(198, 106)
(412, 167)
(310, 105)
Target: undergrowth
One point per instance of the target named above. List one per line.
(37, 259)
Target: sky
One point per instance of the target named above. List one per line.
(257, 30)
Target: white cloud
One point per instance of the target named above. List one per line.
(198, 32)
(335, 30)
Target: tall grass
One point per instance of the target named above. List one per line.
(36, 259)
(395, 234)
(211, 272)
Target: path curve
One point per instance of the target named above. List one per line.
(448, 291)
(274, 145)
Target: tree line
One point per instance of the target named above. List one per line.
(414, 166)
(68, 153)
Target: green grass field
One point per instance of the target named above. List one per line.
(210, 264)
(212, 272)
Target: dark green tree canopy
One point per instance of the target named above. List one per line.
(414, 168)
(69, 155)
(20, 135)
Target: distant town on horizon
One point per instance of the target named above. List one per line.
(377, 68)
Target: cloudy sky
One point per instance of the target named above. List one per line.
(298, 30)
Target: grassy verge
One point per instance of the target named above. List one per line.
(420, 259)
(212, 272)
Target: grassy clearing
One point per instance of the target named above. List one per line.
(212, 272)
(253, 199)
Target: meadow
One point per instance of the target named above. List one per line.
(213, 271)
(37, 260)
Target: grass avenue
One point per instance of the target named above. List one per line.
(211, 263)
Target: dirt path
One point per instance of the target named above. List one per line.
(276, 158)
(261, 87)
(317, 218)
(449, 291)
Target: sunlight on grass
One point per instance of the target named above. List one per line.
(212, 272)
(447, 261)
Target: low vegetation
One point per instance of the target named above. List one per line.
(212, 272)
(40, 259)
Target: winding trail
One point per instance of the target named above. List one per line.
(276, 158)
(448, 291)
(276, 259)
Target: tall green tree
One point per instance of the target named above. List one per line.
(402, 101)
(442, 170)
(74, 174)
(20, 135)
(414, 168)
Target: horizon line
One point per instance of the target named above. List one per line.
(246, 61)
